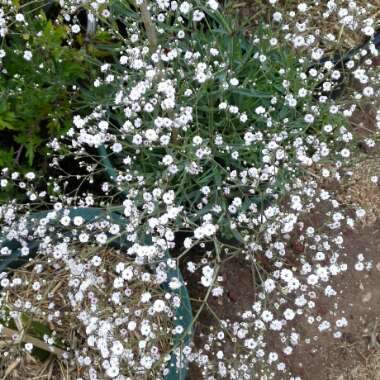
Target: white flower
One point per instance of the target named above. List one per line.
(359, 266)
(197, 140)
(208, 274)
(341, 322)
(101, 238)
(117, 348)
(185, 7)
(260, 110)
(269, 285)
(103, 125)
(174, 283)
(65, 220)
(112, 372)
(234, 82)
(217, 291)
(167, 160)
(20, 17)
(114, 229)
(29, 347)
(312, 279)
(289, 314)
(27, 55)
(118, 282)
(168, 197)
(145, 328)
(345, 153)
(159, 306)
(145, 297)
(276, 325)
(277, 16)
(151, 135)
(117, 147)
(360, 213)
(302, 7)
(78, 220)
(208, 229)
(30, 176)
(368, 91)
(309, 118)
(198, 15)
(368, 31)
(214, 52)
(325, 325)
(286, 275)
(146, 362)
(75, 28)
(213, 4)
(84, 237)
(191, 267)
(266, 316)
(24, 251)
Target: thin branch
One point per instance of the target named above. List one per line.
(149, 26)
(5, 331)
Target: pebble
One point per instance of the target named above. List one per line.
(298, 247)
(367, 297)
(233, 296)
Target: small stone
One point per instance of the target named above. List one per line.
(233, 296)
(378, 266)
(298, 247)
(349, 337)
(367, 297)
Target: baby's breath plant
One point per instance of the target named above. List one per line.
(211, 144)
(101, 307)
(98, 312)
(209, 120)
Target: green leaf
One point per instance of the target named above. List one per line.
(251, 93)
(6, 157)
(5, 124)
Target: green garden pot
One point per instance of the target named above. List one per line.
(183, 315)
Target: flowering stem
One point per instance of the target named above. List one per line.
(5, 331)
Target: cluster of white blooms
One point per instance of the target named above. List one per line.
(183, 136)
(212, 142)
(113, 306)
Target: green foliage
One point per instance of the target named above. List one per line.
(31, 327)
(38, 96)
(266, 75)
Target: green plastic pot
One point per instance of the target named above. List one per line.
(183, 315)
(107, 164)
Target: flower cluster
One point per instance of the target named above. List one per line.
(203, 142)
(105, 314)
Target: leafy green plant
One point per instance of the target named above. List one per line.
(242, 114)
(42, 71)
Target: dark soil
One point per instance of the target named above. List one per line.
(326, 357)
(322, 357)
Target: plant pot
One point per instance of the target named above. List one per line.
(183, 316)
